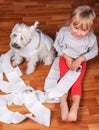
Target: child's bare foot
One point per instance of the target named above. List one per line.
(64, 110)
(72, 115)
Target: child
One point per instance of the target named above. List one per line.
(75, 43)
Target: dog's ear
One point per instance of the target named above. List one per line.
(16, 26)
(36, 24)
(33, 27)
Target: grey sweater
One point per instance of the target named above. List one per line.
(66, 43)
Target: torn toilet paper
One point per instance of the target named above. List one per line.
(19, 93)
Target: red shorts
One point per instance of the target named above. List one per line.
(77, 86)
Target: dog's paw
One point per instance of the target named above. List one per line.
(18, 62)
(29, 70)
(15, 64)
(48, 61)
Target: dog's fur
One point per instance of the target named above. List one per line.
(31, 44)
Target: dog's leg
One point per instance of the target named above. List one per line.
(32, 64)
(49, 59)
(18, 60)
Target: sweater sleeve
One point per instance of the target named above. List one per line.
(92, 49)
(57, 44)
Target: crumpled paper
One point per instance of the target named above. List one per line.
(19, 93)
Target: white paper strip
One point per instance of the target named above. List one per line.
(53, 76)
(56, 89)
(20, 94)
(1, 70)
(64, 84)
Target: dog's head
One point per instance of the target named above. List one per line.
(21, 35)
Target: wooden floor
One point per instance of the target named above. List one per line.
(52, 14)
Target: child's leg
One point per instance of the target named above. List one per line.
(77, 86)
(76, 92)
(72, 115)
(63, 100)
(64, 107)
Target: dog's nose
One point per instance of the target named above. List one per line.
(15, 45)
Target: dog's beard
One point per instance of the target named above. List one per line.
(16, 46)
(20, 46)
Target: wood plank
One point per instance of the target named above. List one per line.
(52, 15)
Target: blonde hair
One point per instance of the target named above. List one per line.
(83, 17)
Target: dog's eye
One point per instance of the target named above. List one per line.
(14, 35)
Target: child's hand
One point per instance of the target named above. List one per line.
(76, 63)
(69, 61)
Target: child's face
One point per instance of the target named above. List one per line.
(78, 33)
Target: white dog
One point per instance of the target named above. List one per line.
(31, 44)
